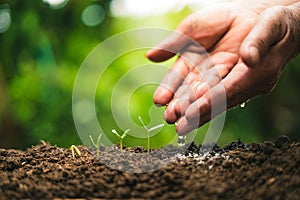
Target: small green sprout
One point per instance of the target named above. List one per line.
(74, 150)
(121, 137)
(148, 131)
(97, 144)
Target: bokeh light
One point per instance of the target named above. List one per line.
(56, 4)
(93, 15)
(144, 8)
(5, 18)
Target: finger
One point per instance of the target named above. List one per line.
(170, 115)
(194, 88)
(182, 96)
(208, 80)
(198, 28)
(176, 75)
(179, 104)
(224, 62)
(209, 74)
(181, 100)
(184, 126)
(267, 32)
(203, 109)
(201, 85)
(176, 109)
(168, 47)
(196, 115)
(241, 84)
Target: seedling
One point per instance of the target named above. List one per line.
(74, 150)
(97, 144)
(121, 137)
(148, 131)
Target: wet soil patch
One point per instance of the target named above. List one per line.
(268, 170)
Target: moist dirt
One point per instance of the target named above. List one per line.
(268, 170)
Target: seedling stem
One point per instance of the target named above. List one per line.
(148, 130)
(121, 137)
(97, 144)
(74, 150)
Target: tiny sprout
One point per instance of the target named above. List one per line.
(75, 149)
(121, 137)
(97, 144)
(148, 130)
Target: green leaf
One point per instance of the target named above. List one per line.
(99, 140)
(142, 122)
(93, 141)
(125, 134)
(116, 133)
(156, 127)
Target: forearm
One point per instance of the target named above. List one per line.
(260, 5)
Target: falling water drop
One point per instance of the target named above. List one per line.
(243, 105)
(181, 140)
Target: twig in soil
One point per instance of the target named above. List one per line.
(148, 130)
(97, 144)
(121, 137)
(75, 149)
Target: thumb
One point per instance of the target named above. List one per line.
(267, 32)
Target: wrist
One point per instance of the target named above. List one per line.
(259, 6)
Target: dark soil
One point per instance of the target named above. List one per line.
(236, 171)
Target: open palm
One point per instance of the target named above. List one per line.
(219, 30)
(233, 37)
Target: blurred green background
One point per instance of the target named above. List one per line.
(44, 42)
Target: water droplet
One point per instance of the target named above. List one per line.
(243, 105)
(181, 140)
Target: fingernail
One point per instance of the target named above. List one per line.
(158, 94)
(180, 126)
(170, 117)
(254, 55)
(148, 53)
(184, 126)
(201, 89)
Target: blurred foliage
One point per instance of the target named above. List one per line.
(43, 49)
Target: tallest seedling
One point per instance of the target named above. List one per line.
(148, 131)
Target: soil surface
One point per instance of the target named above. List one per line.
(269, 170)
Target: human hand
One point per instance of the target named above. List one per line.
(222, 31)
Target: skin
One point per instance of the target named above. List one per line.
(247, 49)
